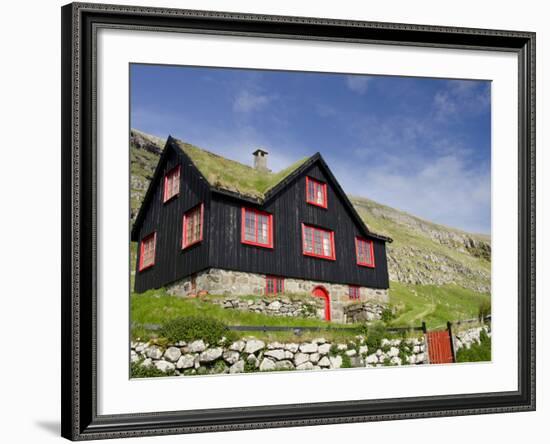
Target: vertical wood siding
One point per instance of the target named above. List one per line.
(171, 262)
(290, 210)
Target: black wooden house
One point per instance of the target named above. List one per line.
(210, 224)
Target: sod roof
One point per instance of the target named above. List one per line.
(233, 176)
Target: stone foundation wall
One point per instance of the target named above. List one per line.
(363, 312)
(253, 355)
(234, 283)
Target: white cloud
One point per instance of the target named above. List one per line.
(245, 102)
(445, 190)
(358, 84)
(461, 96)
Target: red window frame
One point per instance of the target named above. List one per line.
(354, 292)
(277, 285)
(184, 242)
(255, 242)
(152, 235)
(316, 185)
(174, 172)
(358, 242)
(332, 256)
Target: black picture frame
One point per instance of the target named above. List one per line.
(80, 420)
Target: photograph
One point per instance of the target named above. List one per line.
(306, 221)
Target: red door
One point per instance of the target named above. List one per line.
(321, 292)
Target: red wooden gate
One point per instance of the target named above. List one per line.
(440, 347)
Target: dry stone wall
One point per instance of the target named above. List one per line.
(254, 355)
(276, 306)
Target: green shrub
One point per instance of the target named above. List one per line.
(346, 361)
(484, 310)
(139, 371)
(374, 336)
(387, 315)
(477, 352)
(191, 328)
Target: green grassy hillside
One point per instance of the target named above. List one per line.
(437, 273)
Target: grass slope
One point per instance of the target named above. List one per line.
(157, 307)
(433, 304)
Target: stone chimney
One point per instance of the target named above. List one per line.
(260, 159)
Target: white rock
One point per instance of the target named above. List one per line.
(165, 366)
(238, 367)
(372, 359)
(284, 365)
(180, 344)
(274, 306)
(392, 352)
(324, 349)
(277, 354)
(411, 359)
(289, 355)
(147, 363)
(172, 354)
(134, 356)
(342, 347)
(197, 346)
(351, 353)
(416, 349)
(231, 356)
(385, 342)
(185, 361)
(420, 357)
(267, 364)
(335, 361)
(396, 360)
(211, 354)
(305, 366)
(292, 347)
(324, 362)
(237, 346)
(140, 346)
(275, 345)
(300, 358)
(253, 345)
(363, 349)
(309, 348)
(319, 341)
(314, 358)
(154, 352)
(253, 360)
(379, 352)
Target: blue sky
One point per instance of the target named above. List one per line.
(419, 145)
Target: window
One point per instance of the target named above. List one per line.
(318, 242)
(274, 285)
(354, 292)
(147, 251)
(172, 183)
(365, 252)
(192, 226)
(257, 228)
(316, 192)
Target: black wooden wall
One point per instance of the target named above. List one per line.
(286, 259)
(171, 262)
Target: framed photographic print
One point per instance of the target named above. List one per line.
(279, 221)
